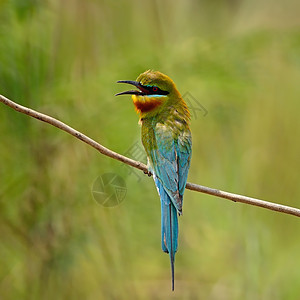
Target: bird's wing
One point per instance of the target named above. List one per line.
(184, 153)
(170, 159)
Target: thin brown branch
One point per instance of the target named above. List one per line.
(191, 186)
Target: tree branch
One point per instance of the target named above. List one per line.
(191, 186)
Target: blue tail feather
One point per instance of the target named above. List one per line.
(169, 226)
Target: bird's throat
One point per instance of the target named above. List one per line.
(144, 105)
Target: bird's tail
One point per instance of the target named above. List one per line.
(169, 225)
(169, 229)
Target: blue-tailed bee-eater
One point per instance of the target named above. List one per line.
(166, 137)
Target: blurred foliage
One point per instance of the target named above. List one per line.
(239, 59)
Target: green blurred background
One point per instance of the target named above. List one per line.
(239, 59)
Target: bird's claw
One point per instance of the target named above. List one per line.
(148, 173)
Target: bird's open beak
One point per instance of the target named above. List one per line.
(141, 90)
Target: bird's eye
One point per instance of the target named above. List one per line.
(154, 89)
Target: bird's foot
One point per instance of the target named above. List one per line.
(148, 173)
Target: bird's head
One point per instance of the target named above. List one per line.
(154, 92)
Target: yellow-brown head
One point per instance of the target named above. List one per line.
(155, 91)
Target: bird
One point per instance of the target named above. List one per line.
(164, 118)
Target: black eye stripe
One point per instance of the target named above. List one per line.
(155, 90)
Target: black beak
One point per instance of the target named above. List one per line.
(141, 90)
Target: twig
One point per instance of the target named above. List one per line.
(191, 186)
